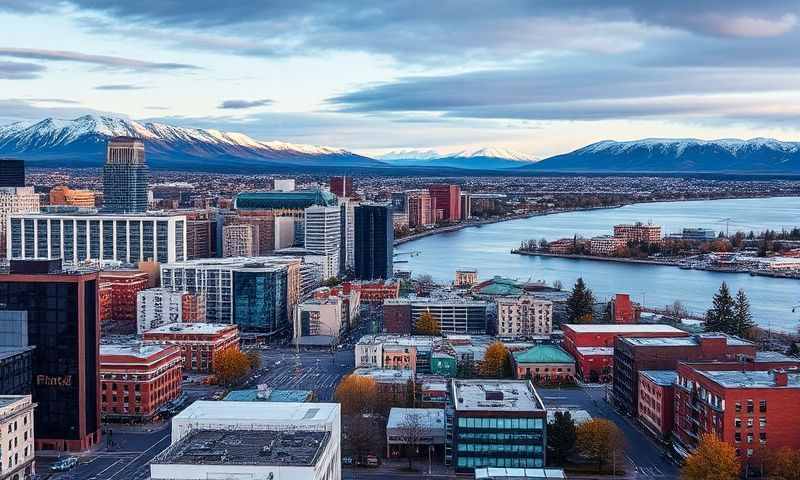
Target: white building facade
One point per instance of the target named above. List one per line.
(323, 234)
(524, 316)
(15, 200)
(16, 437)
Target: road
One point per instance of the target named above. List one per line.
(319, 371)
(643, 453)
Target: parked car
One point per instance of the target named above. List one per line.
(64, 464)
(347, 460)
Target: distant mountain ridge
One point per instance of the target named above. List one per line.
(757, 155)
(81, 143)
(488, 158)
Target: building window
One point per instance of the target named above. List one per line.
(737, 422)
(762, 422)
(738, 407)
(762, 406)
(749, 406)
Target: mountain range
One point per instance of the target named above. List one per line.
(81, 143)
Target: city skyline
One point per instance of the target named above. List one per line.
(538, 78)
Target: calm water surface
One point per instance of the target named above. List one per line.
(487, 249)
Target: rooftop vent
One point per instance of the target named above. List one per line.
(494, 395)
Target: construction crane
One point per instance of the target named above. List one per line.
(727, 225)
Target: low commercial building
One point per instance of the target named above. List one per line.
(159, 306)
(319, 320)
(393, 385)
(753, 411)
(199, 342)
(16, 431)
(633, 354)
(137, 380)
(519, 474)
(377, 292)
(466, 277)
(422, 429)
(605, 245)
(287, 441)
(638, 232)
(266, 394)
(592, 345)
(563, 246)
(370, 352)
(524, 316)
(496, 423)
(656, 407)
(544, 364)
(63, 195)
(454, 315)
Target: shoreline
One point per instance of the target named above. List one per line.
(480, 223)
(576, 256)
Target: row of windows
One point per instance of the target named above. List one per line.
(503, 423)
(478, 447)
(479, 462)
(500, 437)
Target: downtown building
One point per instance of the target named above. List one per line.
(159, 306)
(258, 294)
(240, 240)
(420, 208)
(633, 354)
(524, 316)
(63, 195)
(199, 342)
(447, 199)
(454, 315)
(17, 462)
(374, 242)
(14, 200)
(59, 309)
(83, 236)
(12, 173)
(136, 381)
(125, 176)
(323, 235)
(638, 233)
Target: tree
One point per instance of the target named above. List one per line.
(496, 362)
(783, 464)
(331, 282)
(254, 359)
(230, 366)
(742, 318)
(720, 317)
(411, 431)
(427, 325)
(580, 303)
(357, 395)
(600, 440)
(676, 310)
(561, 436)
(362, 435)
(713, 459)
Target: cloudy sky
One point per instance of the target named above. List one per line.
(541, 77)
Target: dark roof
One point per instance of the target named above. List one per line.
(277, 199)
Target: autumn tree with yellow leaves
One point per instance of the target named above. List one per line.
(713, 459)
(231, 366)
(496, 361)
(601, 441)
(427, 325)
(357, 395)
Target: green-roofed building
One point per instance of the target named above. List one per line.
(282, 201)
(270, 395)
(499, 287)
(545, 364)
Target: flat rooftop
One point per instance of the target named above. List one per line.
(257, 412)
(404, 340)
(496, 395)
(264, 448)
(492, 473)
(8, 352)
(143, 351)
(7, 400)
(622, 328)
(660, 377)
(691, 341)
(189, 328)
(596, 351)
(759, 379)
(429, 418)
(385, 375)
(774, 357)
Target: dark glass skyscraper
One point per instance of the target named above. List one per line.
(12, 172)
(63, 325)
(374, 241)
(125, 176)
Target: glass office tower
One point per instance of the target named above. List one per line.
(125, 176)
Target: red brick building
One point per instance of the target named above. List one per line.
(199, 342)
(341, 186)
(632, 354)
(592, 345)
(446, 198)
(638, 233)
(755, 411)
(104, 292)
(623, 310)
(656, 407)
(137, 380)
(377, 292)
(125, 285)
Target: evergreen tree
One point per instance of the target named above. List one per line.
(561, 437)
(720, 317)
(579, 303)
(743, 319)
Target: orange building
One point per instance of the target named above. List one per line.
(377, 292)
(124, 285)
(199, 342)
(63, 195)
(137, 380)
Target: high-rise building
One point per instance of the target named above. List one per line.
(283, 184)
(125, 176)
(323, 232)
(159, 306)
(63, 325)
(200, 233)
(14, 200)
(239, 240)
(341, 186)
(400, 202)
(420, 209)
(82, 236)
(63, 195)
(348, 232)
(447, 198)
(466, 205)
(12, 172)
(374, 241)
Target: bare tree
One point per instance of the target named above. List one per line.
(361, 435)
(676, 310)
(411, 431)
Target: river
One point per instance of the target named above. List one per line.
(487, 248)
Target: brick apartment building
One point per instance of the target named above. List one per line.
(137, 380)
(633, 354)
(656, 406)
(377, 292)
(592, 345)
(199, 342)
(125, 285)
(446, 198)
(756, 411)
(638, 233)
(623, 310)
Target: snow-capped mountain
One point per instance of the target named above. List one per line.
(81, 142)
(476, 159)
(756, 155)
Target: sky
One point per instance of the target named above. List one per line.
(536, 76)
